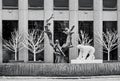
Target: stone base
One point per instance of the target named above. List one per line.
(86, 61)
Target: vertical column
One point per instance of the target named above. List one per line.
(1, 53)
(118, 25)
(98, 27)
(73, 20)
(23, 26)
(48, 11)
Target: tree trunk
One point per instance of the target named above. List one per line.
(15, 55)
(34, 56)
(108, 55)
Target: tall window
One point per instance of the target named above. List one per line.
(87, 27)
(109, 4)
(36, 4)
(39, 26)
(10, 4)
(85, 4)
(110, 26)
(61, 4)
(8, 27)
(59, 27)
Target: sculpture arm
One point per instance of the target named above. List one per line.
(61, 51)
(49, 34)
(49, 18)
(68, 43)
(69, 33)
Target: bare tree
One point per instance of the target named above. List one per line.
(84, 38)
(14, 44)
(34, 42)
(109, 41)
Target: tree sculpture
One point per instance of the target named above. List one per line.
(84, 38)
(59, 50)
(14, 44)
(34, 42)
(109, 41)
(86, 50)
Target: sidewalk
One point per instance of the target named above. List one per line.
(81, 78)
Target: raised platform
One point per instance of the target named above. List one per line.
(75, 61)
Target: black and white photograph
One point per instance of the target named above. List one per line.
(59, 40)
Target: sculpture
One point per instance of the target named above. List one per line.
(86, 52)
(59, 50)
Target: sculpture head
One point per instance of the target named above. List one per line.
(66, 29)
(57, 42)
(48, 24)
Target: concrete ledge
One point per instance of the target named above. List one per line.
(75, 61)
(59, 69)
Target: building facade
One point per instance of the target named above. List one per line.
(92, 16)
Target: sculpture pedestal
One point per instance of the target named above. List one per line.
(75, 61)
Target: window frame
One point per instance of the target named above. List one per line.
(35, 8)
(60, 7)
(113, 52)
(58, 24)
(9, 6)
(109, 9)
(31, 26)
(8, 26)
(84, 28)
(86, 8)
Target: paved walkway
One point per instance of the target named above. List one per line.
(39, 78)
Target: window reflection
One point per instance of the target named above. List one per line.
(36, 4)
(61, 4)
(85, 4)
(109, 4)
(10, 4)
